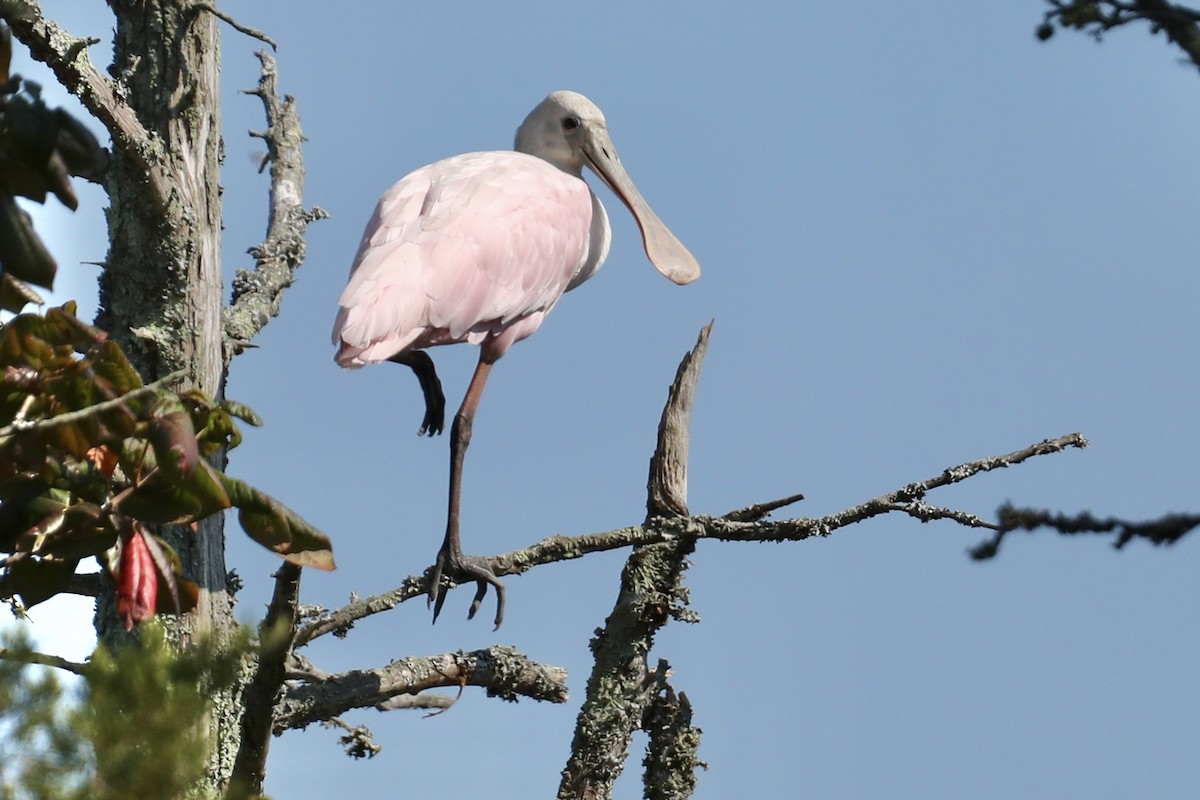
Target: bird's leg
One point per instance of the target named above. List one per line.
(431, 387)
(451, 561)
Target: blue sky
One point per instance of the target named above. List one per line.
(926, 237)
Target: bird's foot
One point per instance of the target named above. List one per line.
(433, 422)
(431, 387)
(458, 567)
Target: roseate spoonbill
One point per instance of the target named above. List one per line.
(478, 248)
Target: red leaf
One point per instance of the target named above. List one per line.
(104, 458)
(137, 583)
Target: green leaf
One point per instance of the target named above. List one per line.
(174, 442)
(242, 412)
(22, 253)
(15, 294)
(37, 580)
(161, 499)
(214, 425)
(278, 528)
(110, 363)
(85, 532)
(62, 327)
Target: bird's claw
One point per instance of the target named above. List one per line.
(461, 568)
(431, 387)
(431, 425)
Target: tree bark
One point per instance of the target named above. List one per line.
(161, 294)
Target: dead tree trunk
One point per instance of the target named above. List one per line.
(161, 293)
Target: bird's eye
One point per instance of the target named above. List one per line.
(570, 123)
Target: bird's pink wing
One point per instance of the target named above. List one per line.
(463, 250)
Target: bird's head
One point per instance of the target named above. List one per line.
(570, 132)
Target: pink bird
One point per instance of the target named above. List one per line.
(478, 248)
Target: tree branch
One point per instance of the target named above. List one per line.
(666, 488)
(67, 58)
(44, 659)
(275, 642)
(85, 584)
(1097, 17)
(731, 527)
(671, 754)
(503, 671)
(620, 688)
(258, 292)
(253, 33)
(1162, 531)
(756, 511)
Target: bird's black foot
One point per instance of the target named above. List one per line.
(458, 567)
(431, 386)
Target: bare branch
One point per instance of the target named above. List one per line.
(1162, 531)
(422, 702)
(67, 57)
(756, 511)
(928, 513)
(340, 622)
(620, 688)
(86, 584)
(258, 292)
(502, 671)
(275, 637)
(671, 755)
(1097, 17)
(44, 659)
(253, 33)
(666, 489)
(731, 527)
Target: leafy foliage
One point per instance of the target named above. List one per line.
(42, 757)
(90, 458)
(137, 730)
(40, 149)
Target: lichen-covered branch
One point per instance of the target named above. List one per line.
(1097, 17)
(275, 642)
(742, 525)
(257, 292)
(672, 756)
(1162, 531)
(621, 687)
(340, 621)
(67, 57)
(502, 671)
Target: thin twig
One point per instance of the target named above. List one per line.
(237, 26)
(258, 292)
(1164, 530)
(68, 417)
(44, 659)
(757, 511)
